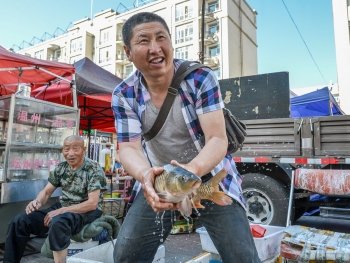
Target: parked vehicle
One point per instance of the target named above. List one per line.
(276, 146)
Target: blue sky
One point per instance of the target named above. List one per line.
(280, 47)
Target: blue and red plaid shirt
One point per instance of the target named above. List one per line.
(200, 93)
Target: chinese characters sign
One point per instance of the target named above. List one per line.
(35, 118)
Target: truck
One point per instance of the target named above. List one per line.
(277, 144)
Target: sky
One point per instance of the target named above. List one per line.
(280, 46)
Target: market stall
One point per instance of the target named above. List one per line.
(31, 130)
(94, 87)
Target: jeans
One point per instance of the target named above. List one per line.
(143, 231)
(61, 228)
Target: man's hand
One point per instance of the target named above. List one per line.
(33, 206)
(151, 196)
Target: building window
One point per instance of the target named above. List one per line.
(213, 6)
(57, 54)
(39, 54)
(183, 33)
(213, 29)
(104, 54)
(76, 45)
(128, 70)
(184, 52)
(105, 35)
(121, 55)
(183, 11)
(214, 51)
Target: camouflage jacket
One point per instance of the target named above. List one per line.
(76, 185)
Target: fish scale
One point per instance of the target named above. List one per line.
(204, 191)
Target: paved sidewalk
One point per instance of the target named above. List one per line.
(178, 249)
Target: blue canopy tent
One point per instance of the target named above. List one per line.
(317, 103)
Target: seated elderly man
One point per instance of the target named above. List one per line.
(82, 182)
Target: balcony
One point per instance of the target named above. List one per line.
(209, 38)
(119, 39)
(211, 62)
(208, 16)
(54, 58)
(54, 46)
(121, 59)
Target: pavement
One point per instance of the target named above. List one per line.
(178, 249)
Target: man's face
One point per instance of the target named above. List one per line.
(73, 152)
(150, 49)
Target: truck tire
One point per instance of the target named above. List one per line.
(267, 199)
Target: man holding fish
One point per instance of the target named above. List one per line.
(185, 165)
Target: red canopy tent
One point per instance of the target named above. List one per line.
(84, 85)
(94, 87)
(16, 68)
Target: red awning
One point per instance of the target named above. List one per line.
(94, 89)
(16, 68)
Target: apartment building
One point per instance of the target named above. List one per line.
(341, 20)
(230, 45)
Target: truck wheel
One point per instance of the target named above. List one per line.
(267, 199)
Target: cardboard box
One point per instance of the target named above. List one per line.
(104, 254)
(267, 246)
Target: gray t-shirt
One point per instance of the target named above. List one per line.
(173, 141)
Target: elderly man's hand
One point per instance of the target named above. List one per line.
(33, 206)
(52, 214)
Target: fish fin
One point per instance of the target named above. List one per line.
(197, 204)
(216, 179)
(167, 197)
(185, 207)
(220, 198)
(162, 195)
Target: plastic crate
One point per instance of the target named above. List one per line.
(267, 246)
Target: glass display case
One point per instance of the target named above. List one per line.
(31, 136)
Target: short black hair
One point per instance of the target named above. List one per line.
(137, 19)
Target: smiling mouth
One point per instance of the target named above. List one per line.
(157, 60)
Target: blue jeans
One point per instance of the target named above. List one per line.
(143, 231)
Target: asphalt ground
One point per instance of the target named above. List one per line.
(179, 248)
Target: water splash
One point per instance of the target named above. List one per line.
(162, 227)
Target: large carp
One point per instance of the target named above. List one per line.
(178, 185)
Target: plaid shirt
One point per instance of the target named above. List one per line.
(200, 93)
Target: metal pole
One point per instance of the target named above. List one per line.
(95, 150)
(201, 53)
